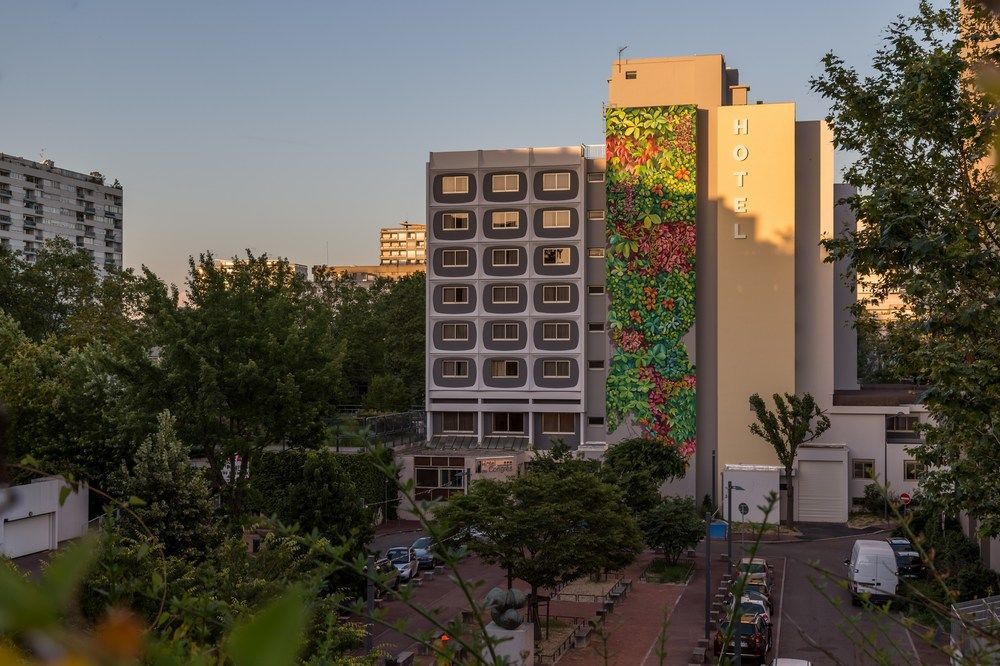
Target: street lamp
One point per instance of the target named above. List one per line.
(729, 517)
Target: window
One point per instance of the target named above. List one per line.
(505, 256)
(558, 424)
(455, 185)
(595, 177)
(505, 219)
(595, 421)
(555, 293)
(511, 422)
(595, 252)
(631, 74)
(505, 331)
(454, 258)
(901, 428)
(912, 470)
(555, 369)
(595, 290)
(555, 219)
(505, 293)
(595, 365)
(455, 294)
(458, 422)
(501, 368)
(556, 256)
(509, 182)
(454, 369)
(595, 215)
(555, 330)
(555, 182)
(595, 327)
(453, 332)
(863, 469)
(455, 221)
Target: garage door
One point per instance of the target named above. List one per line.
(821, 487)
(27, 535)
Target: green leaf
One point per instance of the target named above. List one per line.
(272, 637)
(64, 492)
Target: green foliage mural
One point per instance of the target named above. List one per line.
(651, 186)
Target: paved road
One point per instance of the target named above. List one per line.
(818, 621)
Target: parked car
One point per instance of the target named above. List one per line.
(753, 633)
(424, 548)
(756, 568)
(909, 564)
(751, 594)
(749, 605)
(405, 561)
(872, 570)
(754, 586)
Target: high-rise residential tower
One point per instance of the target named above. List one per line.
(39, 201)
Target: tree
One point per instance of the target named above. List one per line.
(638, 467)
(546, 527)
(176, 501)
(673, 525)
(249, 361)
(785, 429)
(927, 194)
(387, 393)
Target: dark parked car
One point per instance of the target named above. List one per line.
(753, 633)
(909, 564)
(424, 547)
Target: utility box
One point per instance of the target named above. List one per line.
(752, 484)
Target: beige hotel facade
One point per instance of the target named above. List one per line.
(770, 314)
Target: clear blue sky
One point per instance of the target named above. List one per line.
(284, 126)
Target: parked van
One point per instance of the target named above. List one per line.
(872, 570)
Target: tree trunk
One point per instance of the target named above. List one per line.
(790, 500)
(533, 613)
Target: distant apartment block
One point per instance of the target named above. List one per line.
(39, 202)
(402, 252)
(300, 269)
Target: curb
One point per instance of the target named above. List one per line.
(833, 538)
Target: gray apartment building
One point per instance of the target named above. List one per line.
(39, 201)
(516, 346)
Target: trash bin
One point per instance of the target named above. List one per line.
(717, 530)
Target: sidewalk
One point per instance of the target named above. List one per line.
(687, 622)
(632, 632)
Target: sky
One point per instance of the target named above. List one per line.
(300, 128)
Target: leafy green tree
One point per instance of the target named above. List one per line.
(176, 500)
(248, 361)
(785, 429)
(673, 525)
(387, 393)
(928, 196)
(638, 467)
(546, 527)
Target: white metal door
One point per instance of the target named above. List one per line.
(27, 535)
(821, 489)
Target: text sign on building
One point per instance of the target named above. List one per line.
(495, 465)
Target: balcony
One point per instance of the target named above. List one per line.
(29, 222)
(89, 208)
(90, 234)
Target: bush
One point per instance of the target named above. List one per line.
(875, 497)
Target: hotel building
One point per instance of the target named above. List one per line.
(402, 252)
(39, 202)
(649, 286)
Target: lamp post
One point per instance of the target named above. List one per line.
(708, 574)
(729, 517)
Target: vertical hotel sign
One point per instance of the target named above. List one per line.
(652, 205)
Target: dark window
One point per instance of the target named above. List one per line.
(596, 420)
(508, 422)
(631, 74)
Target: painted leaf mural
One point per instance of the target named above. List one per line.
(652, 202)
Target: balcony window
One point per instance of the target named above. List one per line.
(508, 423)
(555, 219)
(555, 369)
(555, 331)
(558, 424)
(455, 221)
(555, 182)
(507, 293)
(455, 332)
(509, 182)
(455, 369)
(556, 256)
(505, 257)
(455, 258)
(505, 219)
(503, 369)
(555, 293)
(505, 331)
(455, 185)
(458, 422)
(455, 295)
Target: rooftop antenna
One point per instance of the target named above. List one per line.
(41, 155)
(621, 49)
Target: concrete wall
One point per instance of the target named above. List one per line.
(845, 347)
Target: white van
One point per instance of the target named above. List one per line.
(872, 570)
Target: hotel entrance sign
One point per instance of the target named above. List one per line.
(495, 465)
